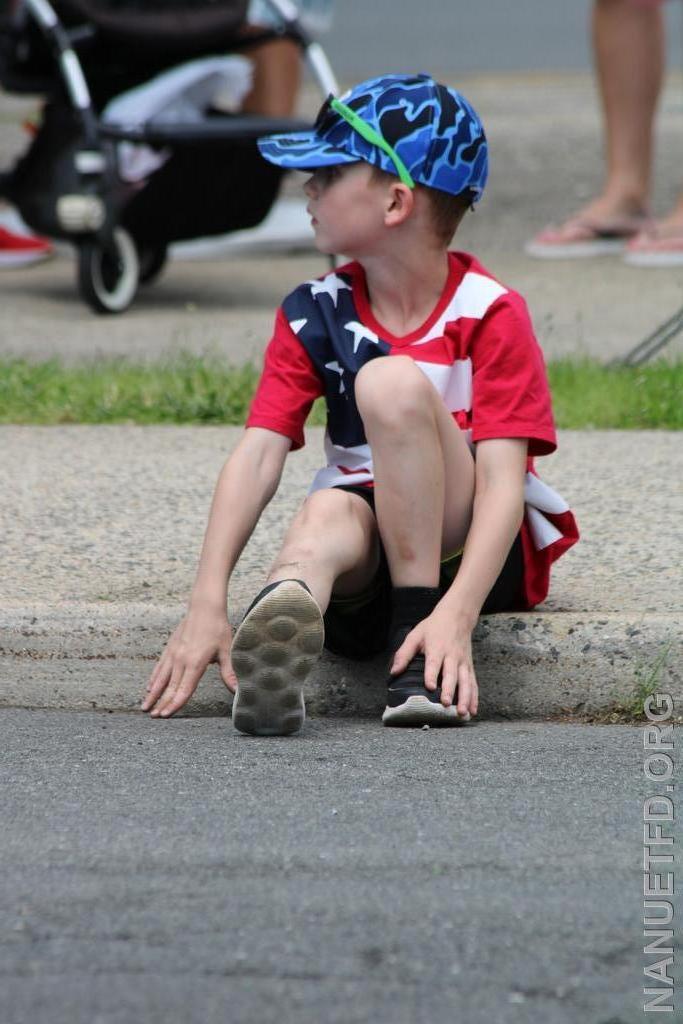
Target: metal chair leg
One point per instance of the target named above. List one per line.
(654, 342)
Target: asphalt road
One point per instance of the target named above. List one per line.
(179, 872)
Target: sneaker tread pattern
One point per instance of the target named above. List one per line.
(273, 652)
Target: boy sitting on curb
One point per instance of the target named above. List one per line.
(428, 511)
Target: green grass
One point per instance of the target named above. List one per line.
(194, 390)
(186, 390)
(588, 395)
(648, 679)
(647, 682)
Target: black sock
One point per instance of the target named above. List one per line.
(410, 606)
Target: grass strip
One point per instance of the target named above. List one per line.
(588, 395)
(191, 389)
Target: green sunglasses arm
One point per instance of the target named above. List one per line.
(367, 132)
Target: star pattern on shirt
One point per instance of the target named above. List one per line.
(336, 368)
(298, 325)
(330, 285)
(360, 333)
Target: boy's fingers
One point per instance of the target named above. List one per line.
(432, 669)
(474, 696)
(406, 651)
(170, 704)
(183, 692)
(158, 671)
(157, 682)
(169, 692)
(227, 671)
(466, 686)
(448, 682)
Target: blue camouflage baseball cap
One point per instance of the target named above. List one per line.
(408, 125)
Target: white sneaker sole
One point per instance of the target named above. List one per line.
(575, 250)
(422, 711)
(11, 260)
(273, 652)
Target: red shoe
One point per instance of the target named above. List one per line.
(22, 250)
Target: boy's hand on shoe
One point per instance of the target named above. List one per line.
(199, 640)
(447, 649)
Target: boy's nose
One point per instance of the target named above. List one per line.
(309, 188)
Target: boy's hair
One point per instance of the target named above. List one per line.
(447, 211)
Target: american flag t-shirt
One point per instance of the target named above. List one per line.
(477, 348)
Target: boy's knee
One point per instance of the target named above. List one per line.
(325, 507)
(392, 387)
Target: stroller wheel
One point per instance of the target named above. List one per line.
(108, 279)
(152, 261)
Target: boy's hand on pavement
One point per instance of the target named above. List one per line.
(447, 648)
(199, 640)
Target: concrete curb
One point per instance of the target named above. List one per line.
(535, 665)
(101, 527)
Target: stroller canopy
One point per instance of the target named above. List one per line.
(161, 25)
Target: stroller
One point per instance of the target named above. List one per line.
(201, 170)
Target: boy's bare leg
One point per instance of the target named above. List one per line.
(424, 494)
(331, 544)
(424, 470)
(424, 490)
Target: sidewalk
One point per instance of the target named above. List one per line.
(546, 161)
(101, 531)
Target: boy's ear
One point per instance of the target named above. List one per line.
(399, 205)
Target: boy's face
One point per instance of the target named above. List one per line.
(347, 208)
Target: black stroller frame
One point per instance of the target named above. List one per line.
(95, 209)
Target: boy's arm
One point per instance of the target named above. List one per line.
(446, 635)
(245, 485)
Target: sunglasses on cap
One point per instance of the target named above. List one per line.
(366, 131)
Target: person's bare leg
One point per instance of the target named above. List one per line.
(676, 214)
(660, 243)
(628, 40)
(669, 227)
(276, 78)
(332, 543)
(424, 470)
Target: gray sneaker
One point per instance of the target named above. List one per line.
(274, 649)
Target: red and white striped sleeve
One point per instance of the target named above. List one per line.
(288, 386)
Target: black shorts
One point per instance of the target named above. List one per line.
(358, 626)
